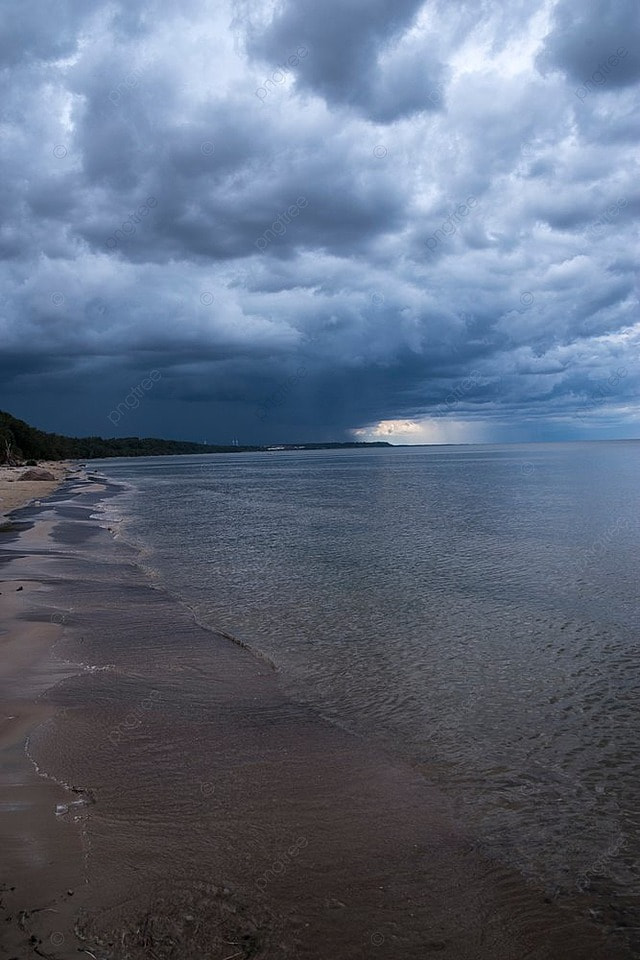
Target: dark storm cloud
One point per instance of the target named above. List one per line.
(596, 44)
(356, 55)
(40, 30)
(418, 230)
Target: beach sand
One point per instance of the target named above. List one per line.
(15, 493)
(205, 814)
(36, 848)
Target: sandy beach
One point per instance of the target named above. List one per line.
(36, 846)
(161, 797)
(16, 493)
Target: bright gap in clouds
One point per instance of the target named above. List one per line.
(427, 430)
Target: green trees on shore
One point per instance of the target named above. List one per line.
(19, 441)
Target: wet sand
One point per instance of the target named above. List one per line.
(207, 814)
(38, 850)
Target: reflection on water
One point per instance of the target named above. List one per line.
(473, 608)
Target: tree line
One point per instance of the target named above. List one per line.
(19, 441)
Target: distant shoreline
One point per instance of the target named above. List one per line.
(25, 442)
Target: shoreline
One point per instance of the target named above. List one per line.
(377, 863)
(35, 849)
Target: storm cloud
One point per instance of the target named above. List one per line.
(408, 221)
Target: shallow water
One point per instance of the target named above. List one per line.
(184, 805)
(474, 608)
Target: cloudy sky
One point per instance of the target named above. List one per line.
(311, 221)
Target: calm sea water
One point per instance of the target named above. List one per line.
(473, 608)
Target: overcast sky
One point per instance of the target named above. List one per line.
(321, 220)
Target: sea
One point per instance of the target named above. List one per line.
(470, 609)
